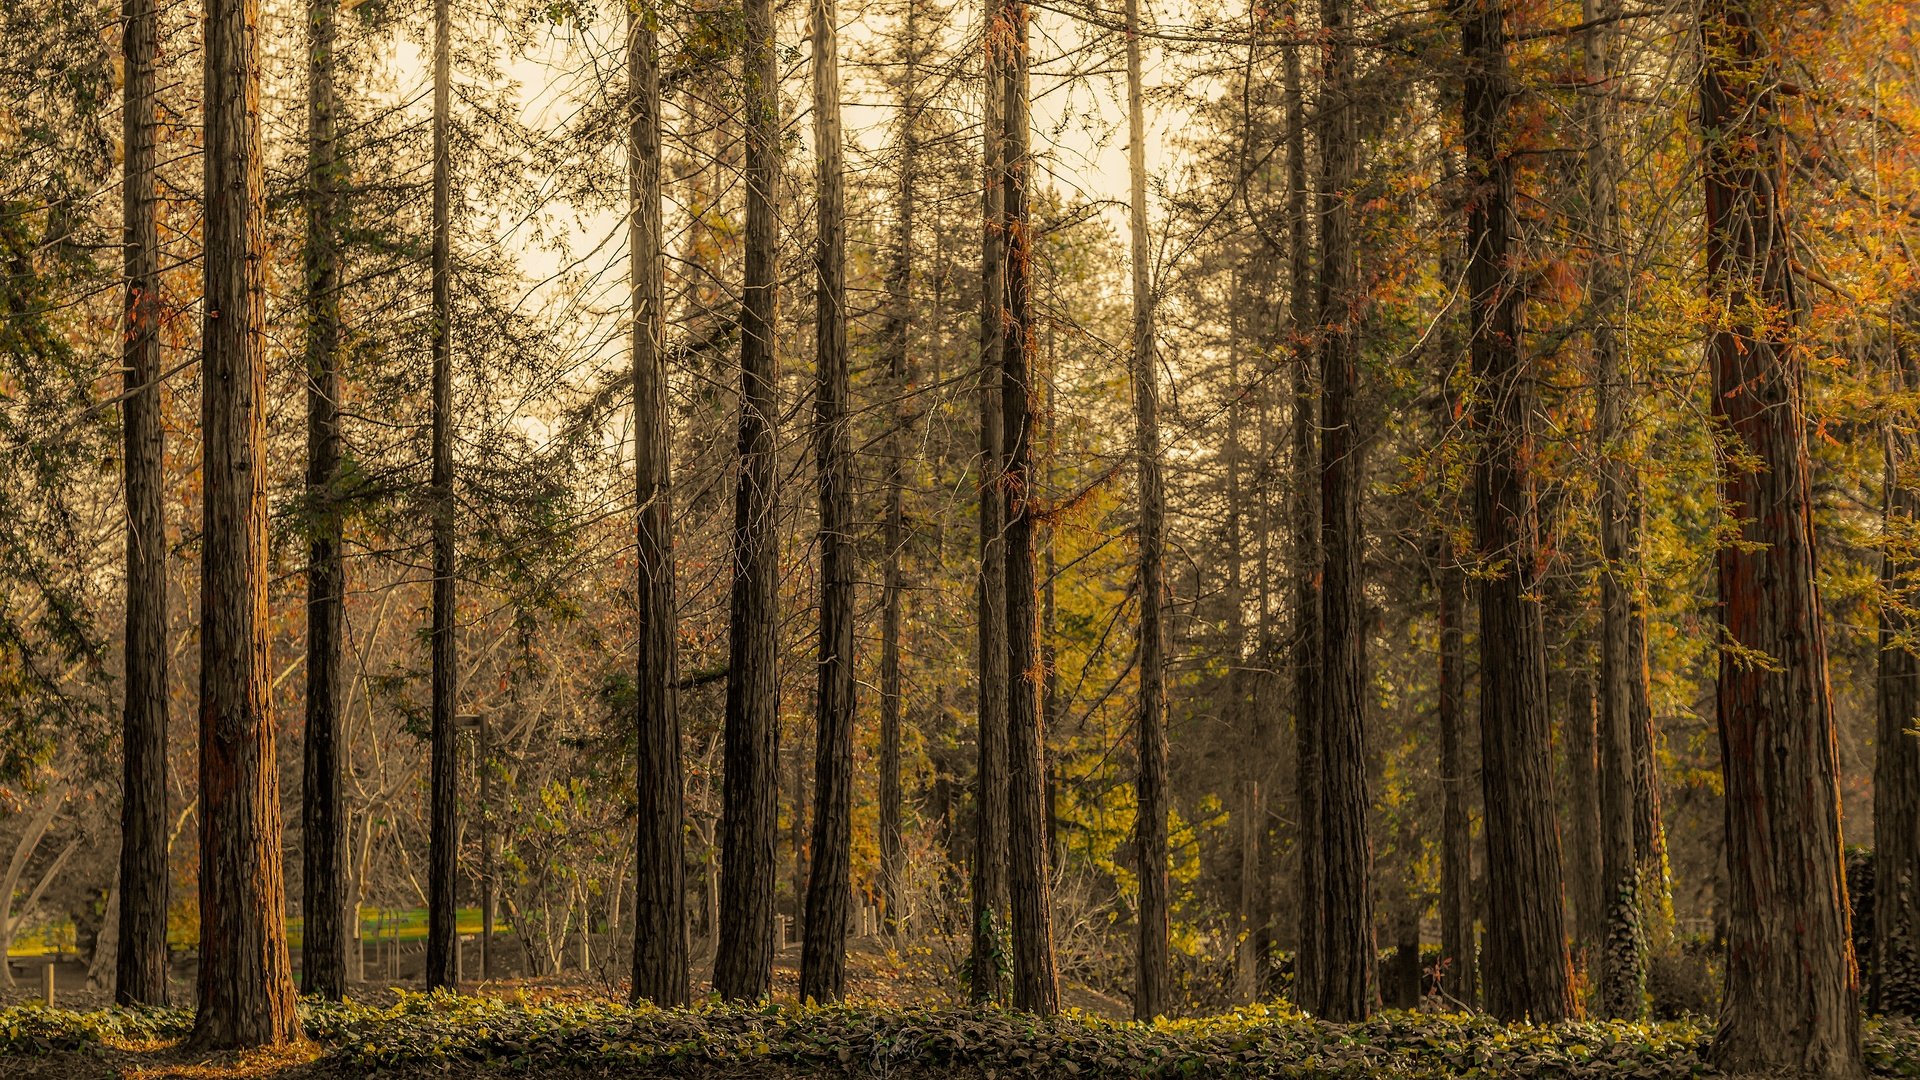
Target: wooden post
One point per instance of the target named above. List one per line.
(47, 977)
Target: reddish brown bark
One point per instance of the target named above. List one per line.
(743, 965)
(1792, 1002)
(140, 965)
(246, 992)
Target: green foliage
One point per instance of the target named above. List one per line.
(443, 1032)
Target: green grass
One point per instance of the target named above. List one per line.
(405, 925)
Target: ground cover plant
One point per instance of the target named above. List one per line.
(445, 1034)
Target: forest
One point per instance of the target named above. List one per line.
(959, 538)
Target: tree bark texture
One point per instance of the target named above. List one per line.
(1346, 979)
(988, 962)
(1623, 687)
(1150, 738)
(743, 967)
(323, 824)
(1894, 974)
(1528, 972)
(660, 887)
(1458, 952)
(443, 832)
(823, 962)
(1309, 949)
(246, 992)
(1035, 986)
(1792, 1001)
(140, 973)
(896, 339)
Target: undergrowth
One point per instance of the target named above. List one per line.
(445, 1033)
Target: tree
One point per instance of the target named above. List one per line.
(1792, 1001)
(1035, 986)
(743, 964)
(140, 973)
(442, 938)
(246, 993)
(323, 905)
(1895, 967)
(823, 963)
(987, 962)
(896, 340)
(1150, 822)
(1623, 686)
(660, 889)
(1304, 518)
(1528, 971)
(1345, 977)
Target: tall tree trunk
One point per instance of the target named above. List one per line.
(823, 962)
(1792, 1000)
(1580, 744)
(987, 961)
(1309, 951)
(246, 992)
(1035, 986)
(1150, 738)
(140, 973)
(1249, 817)
(1894, 985)
(1528, 970)
(323, 942)
(442, 840)
(660, 886)
(1458, 953)
(743, 968)
(897, 341)
(1346, 978)
(1623, 687)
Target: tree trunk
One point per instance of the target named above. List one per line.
(441, 843)
(896, 340)
(743, 968)
(1580, 744)
(140, 974)
(1035, 986)
(660, 886)
(1894, 985)
(1623, 687)
(1346, 976)
(1457, 948)
(823, 962)
(1150, 739)
(323, 943)
(1528, 970)
(1792, 1001)
(1310, 949)
(987, 963)
(246, 992)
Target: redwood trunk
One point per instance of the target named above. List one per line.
(823, 962)
(1346, 990)
(1792, 1001)
(246, 992)
(1035, 986)
(140, 968)
(323, 943)
(660, 887)
(1308, 956)
(1150, 784)
(987, 962)
(897, 341)
(743, 967)
(442, 834)
(1894, 985)
(1528, 970)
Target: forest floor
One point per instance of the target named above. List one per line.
(900, 1026)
